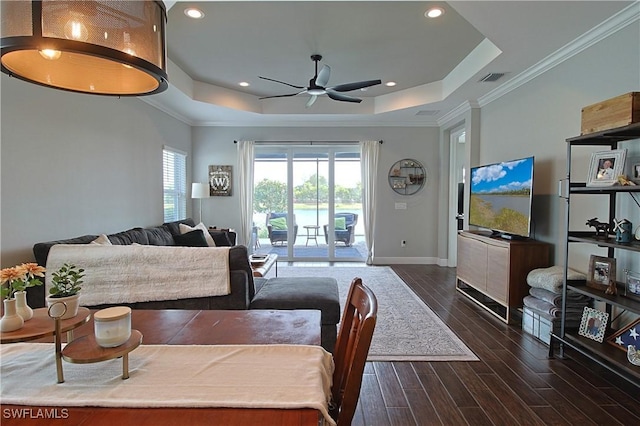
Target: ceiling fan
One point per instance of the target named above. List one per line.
(319, 81)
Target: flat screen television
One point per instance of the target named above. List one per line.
(501, 195)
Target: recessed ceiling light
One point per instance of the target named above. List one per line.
(194, 13)
(390, 83)
(434, 12)
(244, 84)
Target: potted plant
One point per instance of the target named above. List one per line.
(65, 286)
(15, 282)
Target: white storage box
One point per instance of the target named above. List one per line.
(538, 326)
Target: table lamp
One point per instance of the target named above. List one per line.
(200, 191)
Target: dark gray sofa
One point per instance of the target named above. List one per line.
(246, 293)
(241, 275)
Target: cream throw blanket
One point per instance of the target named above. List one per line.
(249, 376)
(142, 273)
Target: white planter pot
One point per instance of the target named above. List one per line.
(10, 321)
(72, 303)
(21, 306)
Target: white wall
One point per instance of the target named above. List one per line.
(76, 164)
(418, 224)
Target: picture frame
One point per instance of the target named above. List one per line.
(632, 285)
(605, 167)
(627, 335)
(220, 180)
(601, 271)
(635, 172)
(593, 324)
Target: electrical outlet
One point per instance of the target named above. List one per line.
(403, 243)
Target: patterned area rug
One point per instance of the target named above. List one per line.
(406, 329)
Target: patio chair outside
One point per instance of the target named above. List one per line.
(346, 235)
(277, 229)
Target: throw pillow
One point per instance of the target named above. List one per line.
(279, 224)
(221, 238)
(186, 228)
(102, 240)
(341, 224)
(191, 239)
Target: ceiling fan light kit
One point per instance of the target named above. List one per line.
(114, 48)
(317, 86)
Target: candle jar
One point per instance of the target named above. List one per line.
(112, 326)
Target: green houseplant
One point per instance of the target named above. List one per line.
(65, 286)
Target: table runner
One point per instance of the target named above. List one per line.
(235, 376)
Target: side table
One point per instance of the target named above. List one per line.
(311, 236)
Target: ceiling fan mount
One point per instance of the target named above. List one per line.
(317, 86)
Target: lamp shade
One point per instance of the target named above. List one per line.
(112, 47)
(199, 190)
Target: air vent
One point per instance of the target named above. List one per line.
(491, 77)
(428, 112)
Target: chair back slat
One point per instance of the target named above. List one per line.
(351, 350)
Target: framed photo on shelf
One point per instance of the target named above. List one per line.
(605, 167)
(632, 286)
(635, 172)
(593, 324)
(628, 335)
(601, 271)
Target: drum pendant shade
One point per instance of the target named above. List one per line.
(114, 48)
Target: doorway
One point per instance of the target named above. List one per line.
(308, 202)
(457, 186)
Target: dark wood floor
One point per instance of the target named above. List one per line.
(514, 383)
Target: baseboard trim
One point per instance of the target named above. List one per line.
(406, 261)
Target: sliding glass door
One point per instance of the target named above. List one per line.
(307, 202)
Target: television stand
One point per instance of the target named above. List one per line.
(493, 271)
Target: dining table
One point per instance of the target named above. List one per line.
(191, 327)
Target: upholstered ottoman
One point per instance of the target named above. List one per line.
(304, 293)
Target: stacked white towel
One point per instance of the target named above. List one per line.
(545, 294)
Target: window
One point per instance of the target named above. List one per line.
(174, 176)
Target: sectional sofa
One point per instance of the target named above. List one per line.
(246, 292)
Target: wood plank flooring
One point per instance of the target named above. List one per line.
(514, 383)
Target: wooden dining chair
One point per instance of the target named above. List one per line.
(352, 347)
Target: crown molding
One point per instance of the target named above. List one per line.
(610, 26)
(463, 108)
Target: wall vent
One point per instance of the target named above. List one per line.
(491, 77)
(428, 112)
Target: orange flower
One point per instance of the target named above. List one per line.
(11, 274)
(32, 270)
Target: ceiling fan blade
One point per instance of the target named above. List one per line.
(311, 101)
(281, 82)
(355, 86)
(344, 98)
(282, 96)
(323, 76)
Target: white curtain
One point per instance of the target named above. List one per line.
(245, 172)
(369, 153)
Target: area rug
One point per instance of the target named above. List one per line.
(406, 329)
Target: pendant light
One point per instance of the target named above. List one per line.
(113, 48)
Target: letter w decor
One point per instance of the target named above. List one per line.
(220, 180)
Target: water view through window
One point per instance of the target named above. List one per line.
(307, 181)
